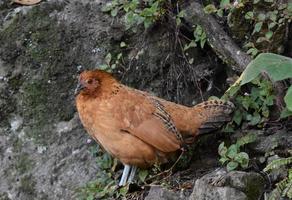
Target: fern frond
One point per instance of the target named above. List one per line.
(275, 195)
(288, 190)
(290, 174)
(278, 191)
(276, 164)
(249, 138)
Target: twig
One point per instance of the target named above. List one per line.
(166, 171)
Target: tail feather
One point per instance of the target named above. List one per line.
(215, 113)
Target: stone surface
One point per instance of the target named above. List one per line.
(235, 185)
(160, 193)
(44, 153)
(43, 148)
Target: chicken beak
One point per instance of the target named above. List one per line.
(78, 89)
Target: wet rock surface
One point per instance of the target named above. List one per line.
(43, 149)
(44, 153)
(160, 193)
(234, 185)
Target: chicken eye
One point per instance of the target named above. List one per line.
(90, 81)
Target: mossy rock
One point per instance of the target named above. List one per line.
(27, 186)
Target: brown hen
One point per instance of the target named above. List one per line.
(137, 128)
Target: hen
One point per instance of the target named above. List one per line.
(137, 128)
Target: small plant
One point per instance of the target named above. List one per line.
(264, 23)
(284, 187)
(200, 37)
(224, 6)
(104, 186)
(137, 12)
(110, 62)
(253, 106)
(232, 154)
(277, 67)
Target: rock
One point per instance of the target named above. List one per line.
(160, 193)
(43, 148)
(236, 185)
(279, 139)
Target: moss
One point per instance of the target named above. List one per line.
(35, 105)
(15, 82)
(27, 185)
(16, 143)
(254, 187)
(37, 41)
(24, 163)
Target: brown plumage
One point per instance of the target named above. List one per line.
(137, 128)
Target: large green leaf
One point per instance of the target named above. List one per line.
(288, 99)
(276, 66)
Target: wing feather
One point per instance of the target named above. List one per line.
(139, 115)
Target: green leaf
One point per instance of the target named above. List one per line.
(232, 166)
(244, 163)
(210, 9)
(242, 158)
(255, 119)
(108, 58)
(257, 27)
(285, 113)
(113, 66)
(198, 31)
(123, 190)
(178, 21)
(232, 151)
(203, 40)
(273, 17)
(90, 197)
(224, 3)
(220, 13)
(119, 56)
(103, 67)
(256, 1)
(253, 51)
(288, 99)
(272, 25)
(191, 44)
(143, 174)
(248, 15)
(107, 7)
(223, 160)
(222, 149)
(114, 12)
(232, 91)
(261, 17)
(276, 66)
(123, 44)
(237, 117)
(191, 61)
(147, 23)
(261, 39)
(229, 128)
(269, 34)
(181, 14)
